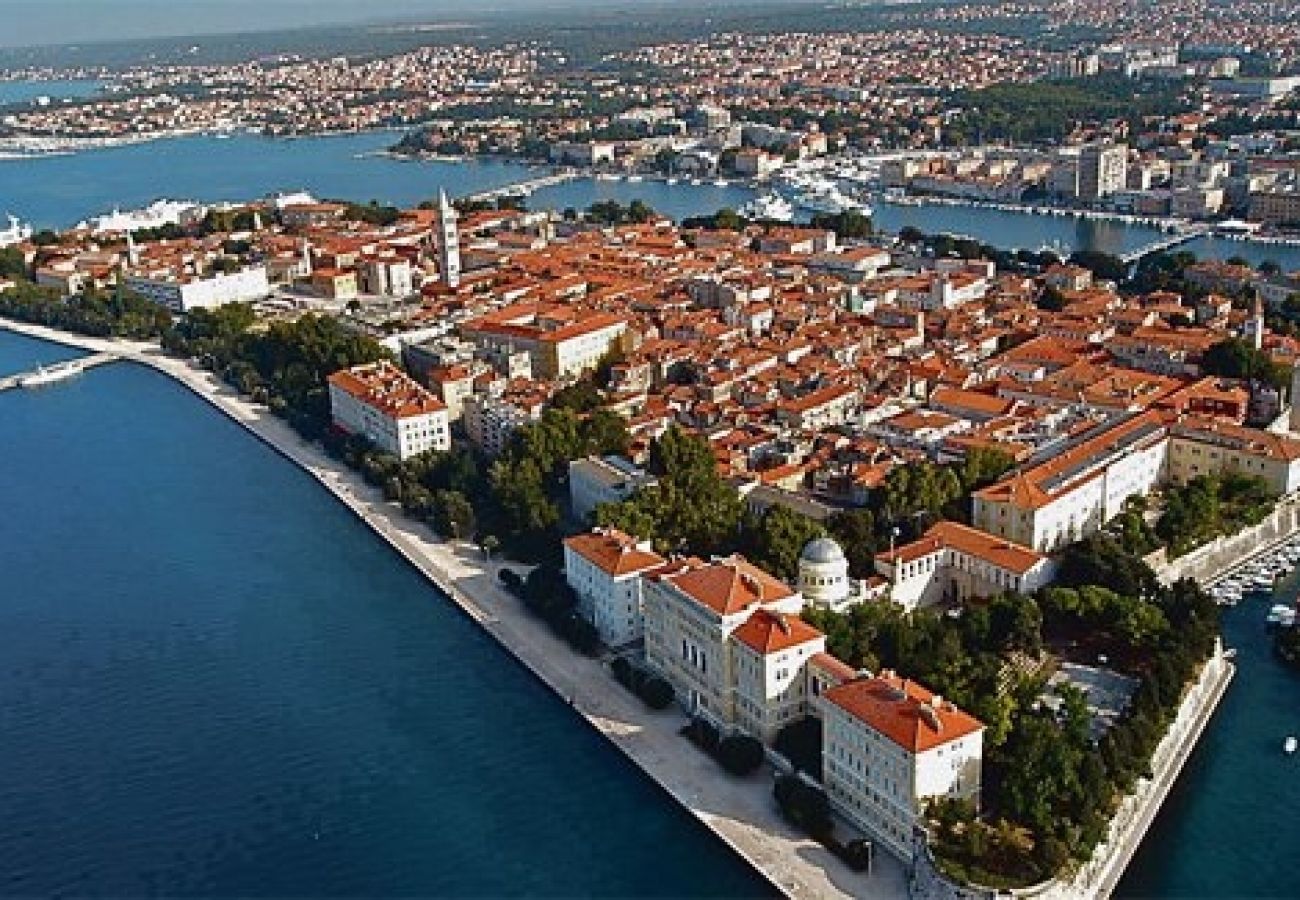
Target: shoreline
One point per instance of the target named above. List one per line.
(740, 812)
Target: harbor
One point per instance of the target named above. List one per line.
(206, 169)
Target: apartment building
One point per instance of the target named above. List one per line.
(182, 293)
(562, 345)
(889, 746)
(603, 479)
(491, 420)
(383, 404)
(1199, 445)
(605, 568)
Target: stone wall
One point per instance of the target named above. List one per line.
(1208, 561)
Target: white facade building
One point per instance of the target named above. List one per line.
(952, 563)
(605, 568)
(1075, 492)
(390, 409)
(608, 479)
(888, 746)
(186, 293)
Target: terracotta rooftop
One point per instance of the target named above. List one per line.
(388, 389)
(771, 632)
(903, 711)
(613, 552)
(971, 541)
(728, 586)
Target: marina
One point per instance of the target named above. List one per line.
(60, 191)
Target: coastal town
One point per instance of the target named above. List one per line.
(771, 431)
(897, 558)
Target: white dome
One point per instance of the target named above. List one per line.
(822, 551)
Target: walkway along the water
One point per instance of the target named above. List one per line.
(741, 812)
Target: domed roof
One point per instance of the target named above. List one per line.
(822, 551)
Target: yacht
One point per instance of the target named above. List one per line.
(51, 374)
(768, 207)
(1290, 744)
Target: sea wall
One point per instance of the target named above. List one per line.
(1209, 561)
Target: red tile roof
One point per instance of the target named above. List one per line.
(770, 632)
(613, 552)
(903, 711)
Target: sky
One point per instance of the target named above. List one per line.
(40, 22)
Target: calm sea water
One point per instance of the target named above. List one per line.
(59, 191)
(27, 91)
(216, 682)
(1228, 827)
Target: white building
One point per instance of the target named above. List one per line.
(1077, 490)
(888, 746)
(692, 611)
(490, 421)
(824, 574)
(390, 409)
(953, 562)
(605, 567)
(184, 293)
(597, 480)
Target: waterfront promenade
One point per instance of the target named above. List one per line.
(740, 811)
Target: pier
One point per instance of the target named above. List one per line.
(527, 186)
(9, 382)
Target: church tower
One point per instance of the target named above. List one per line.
(448, 242)
(1254, 329)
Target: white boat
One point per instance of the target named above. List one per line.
(672, 180)
(1290, 744)
(635, 178)
(51, 374)
(768, 207)
(721, 182)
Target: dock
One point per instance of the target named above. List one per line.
(9, 382)
(527, 186)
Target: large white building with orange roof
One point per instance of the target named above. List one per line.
(889, 745)
(605, 568)
(387, 407)
(1078, 488)
(953, 562)
(702, 634)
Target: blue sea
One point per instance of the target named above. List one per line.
(59, 191)
(216, 682)
(23, 91)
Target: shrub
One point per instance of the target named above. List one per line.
(801, 743)
(656, 692)
(740, 754)
(622, 670)
(803, 805)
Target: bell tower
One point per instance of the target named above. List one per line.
(448, 242)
